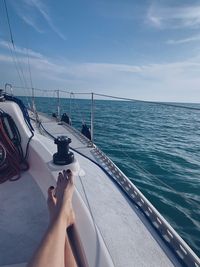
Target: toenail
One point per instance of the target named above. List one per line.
(51, 187)
(69, 171)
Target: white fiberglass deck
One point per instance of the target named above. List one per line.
(23, 220)
(114, 232)
(129, 238)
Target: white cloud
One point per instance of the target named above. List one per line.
(27, 15)
(185, 40)
(156, 21)
(4, 58)
(175, 81)
(23, 51)
(31, 22)
(174, 17)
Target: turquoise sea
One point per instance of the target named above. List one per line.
(156, 146)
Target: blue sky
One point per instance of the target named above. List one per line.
(146, 50)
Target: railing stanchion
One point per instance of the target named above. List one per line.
(58, 104)
(33, 99)
(33, 105)
(70, 105)
(92, 118)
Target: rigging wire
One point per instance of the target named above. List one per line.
(29, 68)
(36, 89)
(15, 64)
(30, 77)
(13, 51)
(8, 20)
(148, 102)
(77, 93)
(18, 72)
(9, 45)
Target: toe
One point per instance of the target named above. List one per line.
(70, 176)
(69, 172)
(51, 192)
(65, 174)
(60, 178)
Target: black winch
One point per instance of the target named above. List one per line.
(2, 95)
(63, 155)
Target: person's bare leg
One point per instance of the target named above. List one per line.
(51, 250)
(68, 254)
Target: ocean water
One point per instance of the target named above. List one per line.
(156, 146)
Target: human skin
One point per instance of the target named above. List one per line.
(54, 249)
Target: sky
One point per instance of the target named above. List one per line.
(142, 49)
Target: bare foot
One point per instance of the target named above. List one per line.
(60, 199)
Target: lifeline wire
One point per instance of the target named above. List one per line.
(181, 106)
(148, 102)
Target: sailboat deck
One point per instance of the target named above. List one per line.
(24, 218)
(113, 230)
(130, 239)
